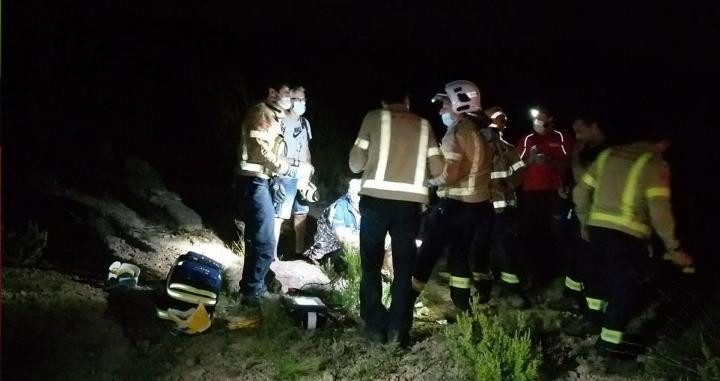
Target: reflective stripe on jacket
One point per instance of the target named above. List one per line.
(556, 147)
(262, 150)
(396, 151)
(506, 173)
(628, 189)
(468, 159)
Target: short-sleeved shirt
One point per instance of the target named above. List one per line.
(297, 135)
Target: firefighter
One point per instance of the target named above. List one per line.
(260, 157)
(499, 235)
(590, 140)
(463, 189)
(544, 194)
(622, 198)
(395, 149)
(297, 135)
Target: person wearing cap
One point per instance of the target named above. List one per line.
(463, 189)
(499, 235)
(297, 135)
(397, 152)
(544, 198)
(261, 156)
(620, 201)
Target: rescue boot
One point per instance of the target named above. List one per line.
(567, 303)
(482, 291)
(582, 327)
(514, 295)
(460, 298)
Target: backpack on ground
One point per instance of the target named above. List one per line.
(194, 280)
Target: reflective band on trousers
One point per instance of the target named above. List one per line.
(573, 284)
(509, 278)
(481, 276)
(459, 282)
(596, 304)
(417, 285)
(627, 205)
(433, 151)
(611, 336)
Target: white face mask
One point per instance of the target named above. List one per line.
(285, 103)
(299, 107)
(447, 119)
(539, 126)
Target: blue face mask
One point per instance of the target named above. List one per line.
(299, 107)
(447, 119)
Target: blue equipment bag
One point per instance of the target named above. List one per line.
(194, 279)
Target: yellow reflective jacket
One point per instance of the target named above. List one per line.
(262, 149)
(628, 189)
(397, 152)
(468, 162)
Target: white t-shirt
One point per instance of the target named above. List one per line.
(297, 135)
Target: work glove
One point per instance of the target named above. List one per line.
(681, 259)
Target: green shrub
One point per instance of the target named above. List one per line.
(490, 352)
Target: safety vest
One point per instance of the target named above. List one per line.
(630, 193)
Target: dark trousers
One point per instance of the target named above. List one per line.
(621, 266)
(541, 214)
(402, 220)
(452, 224)
(257, 211)
(577, 260)
(496, 246)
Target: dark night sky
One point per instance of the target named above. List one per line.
(144, 77)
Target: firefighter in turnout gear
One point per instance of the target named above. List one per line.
(463, 189)
(499, 235)
(622, 198)
(590, 141)
(397, 152)
(261, 157)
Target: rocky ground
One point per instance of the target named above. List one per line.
(60, 322)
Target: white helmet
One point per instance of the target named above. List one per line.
(464, 96)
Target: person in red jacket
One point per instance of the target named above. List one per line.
(546, 152)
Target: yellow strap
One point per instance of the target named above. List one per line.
(573, 284)
(509, 278)
(459, 282)
(611, 336)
